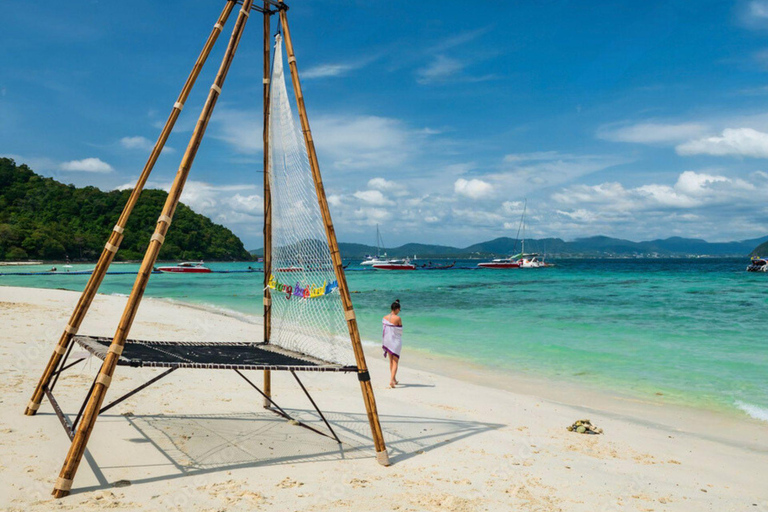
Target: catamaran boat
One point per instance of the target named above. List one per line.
(500, 263)
(521, 260)
(188, 267)
(531, 260)
(375, 260)
(395, 265)
(758, 265)
(379, 259)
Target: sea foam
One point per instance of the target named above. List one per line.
(760, 413)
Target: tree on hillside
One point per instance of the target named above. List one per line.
(41, 218)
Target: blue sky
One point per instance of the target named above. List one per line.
(433, 119)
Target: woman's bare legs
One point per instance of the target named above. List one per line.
(393, 362)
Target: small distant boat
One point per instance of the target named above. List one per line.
(292, 268)
(395, 265)
(500, 263)
(187, 267)
(758, 265)
(430, 266)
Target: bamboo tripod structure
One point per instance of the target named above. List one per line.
(108, 254)
(101, 384)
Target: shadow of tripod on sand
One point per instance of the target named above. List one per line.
(205, 444)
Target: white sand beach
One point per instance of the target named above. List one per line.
(460, 438)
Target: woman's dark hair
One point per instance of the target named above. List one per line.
(395, 305)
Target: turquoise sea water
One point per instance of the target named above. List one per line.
(694, 330)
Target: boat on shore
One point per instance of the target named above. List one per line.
(187, 267)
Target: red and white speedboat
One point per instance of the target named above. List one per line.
(188, 267)
(395, 265)
(500, 263)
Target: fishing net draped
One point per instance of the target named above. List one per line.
(307, 313)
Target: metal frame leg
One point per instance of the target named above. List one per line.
(280, 412)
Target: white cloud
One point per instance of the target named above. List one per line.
(385, 185)
(353, 142)
(732, 142)
(697, 204)
(241, 129)
(137, 143)
(652, 133)
(474, 188)
(327, 70)
(86, 165)
(754, 14)
(523, 173)
(249, 205)
(142, 143)
(374, 197)
(217, 201)
(692, 190)
(440, 69)
(371, 215)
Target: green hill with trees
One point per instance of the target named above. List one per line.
(761, 251)
(43, 219)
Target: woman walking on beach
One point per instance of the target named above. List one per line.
(392, 340)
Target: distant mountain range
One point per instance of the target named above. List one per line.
(592, 247)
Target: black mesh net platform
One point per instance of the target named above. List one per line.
(210, 355)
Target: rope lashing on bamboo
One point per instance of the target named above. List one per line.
(63, 484)
(349, 315)
(218, 26)
(116, 349)
(70, 330)
(104, 379)
(164, 218)
(178, 106)
(60, 349)
(32, 406)
(118, 229)
(157, 237)
(110, 247)
(216, 88)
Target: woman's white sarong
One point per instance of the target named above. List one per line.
(392, 338)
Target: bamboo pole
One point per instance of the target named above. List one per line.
(354, 333)
(267, 201)
(96, 398)
(108, 254)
